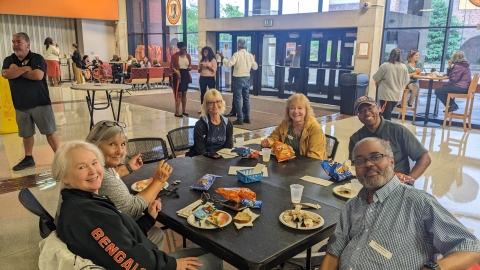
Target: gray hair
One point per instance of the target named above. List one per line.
(101, 132)
(458, 56)
(386, 146)
(241, 43)
(23, 35)
(62, 157)
(209, 95)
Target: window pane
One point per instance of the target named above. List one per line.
(192, 47)
(136, 46)
(232, 8)
(339, 5)
(468, 41)
(420, 13)
(225, 43)
(465, 14)
(262, 7)
(155, 47)
(314, 50)
(192, 16)
(155, 15)
(172, 40)
(299, 6)
(135, 16)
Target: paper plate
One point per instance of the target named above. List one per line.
(338, 191)
(191, 220)
(293, 225)
(134, 185)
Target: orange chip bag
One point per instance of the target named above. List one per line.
(282, 151)
(237, 194)
(406, 179)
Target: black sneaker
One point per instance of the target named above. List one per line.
(237, 122)
(25, 163)
(399, 106)
(246, 121)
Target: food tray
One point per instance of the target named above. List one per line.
(246, 176)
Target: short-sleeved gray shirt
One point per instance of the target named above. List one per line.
(402, 141)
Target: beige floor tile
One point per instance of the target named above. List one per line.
(26, 260)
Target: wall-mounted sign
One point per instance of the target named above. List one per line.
(469, 4)
(174, 12)
(476, 2)
(268, 22)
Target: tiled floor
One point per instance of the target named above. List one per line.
(453, 177)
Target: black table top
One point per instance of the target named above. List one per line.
(268, 243)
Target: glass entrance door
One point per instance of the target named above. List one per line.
(268, 65)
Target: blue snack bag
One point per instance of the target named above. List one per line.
(336, 170)
(205, 182)
(246, 152)
(204, 211)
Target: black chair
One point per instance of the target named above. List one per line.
(331, 146)
(46, 223)
(180, 139)
(152, 149)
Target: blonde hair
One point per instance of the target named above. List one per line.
(458, 56)
(209, 95)
(62, 157)
(304, 101)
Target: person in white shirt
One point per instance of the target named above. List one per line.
(242, 61)
(51, 53)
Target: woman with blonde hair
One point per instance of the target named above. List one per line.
(213, 131)
(299, 129)
(459, 79)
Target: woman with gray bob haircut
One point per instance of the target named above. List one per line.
(110, 137)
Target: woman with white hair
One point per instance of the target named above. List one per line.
(459, 79)
(299, 129)
(110, 137)
(213, 131)
(93, 228)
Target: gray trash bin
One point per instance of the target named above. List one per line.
(352, 86)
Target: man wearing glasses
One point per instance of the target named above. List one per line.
(403, 142)
(389, 225)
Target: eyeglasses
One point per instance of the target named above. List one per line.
(375, 159)
(114, 123)
(169, 193)
(369, 109)
(207, 198)
(210, 103)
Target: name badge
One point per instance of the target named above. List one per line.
(377, 247)
(290, 137)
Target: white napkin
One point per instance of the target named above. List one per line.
(249, 224)
(233, 170)
(227, 153)
(317, 180)
(188, 210)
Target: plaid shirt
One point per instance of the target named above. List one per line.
(408, 223)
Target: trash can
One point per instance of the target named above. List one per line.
(352, 86)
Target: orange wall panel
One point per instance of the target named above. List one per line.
(85, 9)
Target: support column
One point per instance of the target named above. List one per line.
(206, 10)
(121, 31)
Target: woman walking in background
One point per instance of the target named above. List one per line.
(51, 53)
(391, 78)
(181, 66)
(414, 68)
(207, 69)
(459, 79)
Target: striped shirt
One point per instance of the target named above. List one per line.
(406, 222)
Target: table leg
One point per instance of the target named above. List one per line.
(110, 103)
(425, 122)
(308, 264)
(119, 105)
(91, 103)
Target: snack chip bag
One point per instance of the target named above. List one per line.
(204, 211)
(205, 182)
(336, 170)
(246, 152)
(283, 151)
(237, 194)
(406, 179)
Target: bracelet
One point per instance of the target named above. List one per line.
(129, 168)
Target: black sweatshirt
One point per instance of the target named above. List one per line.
(200, 136)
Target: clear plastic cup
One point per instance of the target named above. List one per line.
(239, 141)
(266, 152)
(296, 193)
(356, 186)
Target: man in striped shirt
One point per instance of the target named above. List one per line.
(389, 225)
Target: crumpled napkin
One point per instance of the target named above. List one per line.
(188, 210)
(249, 224)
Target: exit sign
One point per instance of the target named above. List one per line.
(268, 22)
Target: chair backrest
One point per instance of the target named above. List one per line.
(155, 74)
(180, 138)
(152, 149)
(106, 71)
(471, 92)
(331, 146)
(46, 223)
(139, 73)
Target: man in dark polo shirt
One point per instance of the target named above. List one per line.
(26, 74)
(402, 141)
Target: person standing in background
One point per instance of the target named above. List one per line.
(51, 53)
(25, 72)
(207, 69)
(391, 78)
(414, 68)
(181, 65)
(294, 59)
(77, 64)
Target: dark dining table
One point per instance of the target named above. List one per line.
(268, 243)
(431, 79)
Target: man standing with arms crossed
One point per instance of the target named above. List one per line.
(242, 61)
(25, 72)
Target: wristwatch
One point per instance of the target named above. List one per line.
(129, 168)
(432, 265)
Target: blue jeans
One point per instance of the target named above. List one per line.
(443, 91)
(208, 260)
(241, 90)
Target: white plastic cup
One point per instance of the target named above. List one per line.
(239, 141)
(266, 152)
(356, 186)
(296, 193)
